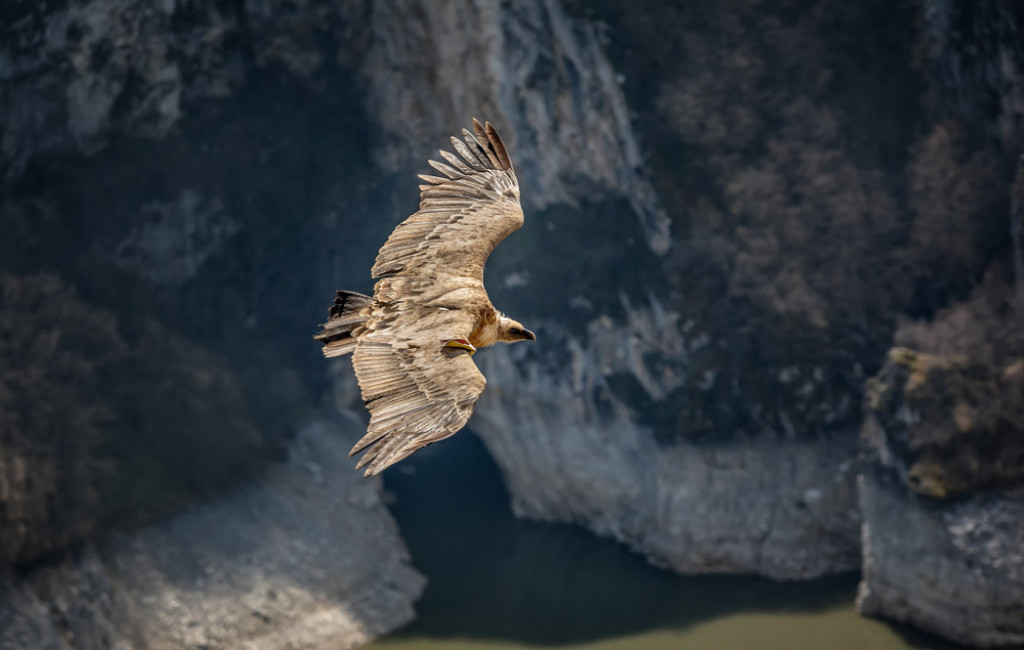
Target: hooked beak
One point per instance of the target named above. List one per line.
(530, 336)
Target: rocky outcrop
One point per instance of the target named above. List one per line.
(953, 568)
(943, 538)
(949, 426)
(572, 449)
(309, 559)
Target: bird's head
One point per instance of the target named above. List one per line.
(511, 331)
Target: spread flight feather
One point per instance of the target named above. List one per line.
(412, 342)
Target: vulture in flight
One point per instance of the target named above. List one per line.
(412, 343)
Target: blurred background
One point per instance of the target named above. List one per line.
(772, 255)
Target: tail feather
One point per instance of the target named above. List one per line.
(345, 315)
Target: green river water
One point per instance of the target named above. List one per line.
(498, 582)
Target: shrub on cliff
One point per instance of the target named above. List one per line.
(97, 430)
(958, 210)
(948, 424)
(189, 422)
(54, 353)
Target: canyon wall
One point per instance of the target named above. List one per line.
(727, 229)
(570, 449)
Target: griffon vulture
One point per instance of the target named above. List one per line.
(412, 343)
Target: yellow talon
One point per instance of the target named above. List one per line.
(460, 343)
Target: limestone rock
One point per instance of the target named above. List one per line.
(309, 559)
(943, 541)
(541, 77)
(954, 568)
(571, 450)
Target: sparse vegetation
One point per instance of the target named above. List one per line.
(56, 353)
(820, 191)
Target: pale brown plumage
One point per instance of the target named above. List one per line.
(412, 342)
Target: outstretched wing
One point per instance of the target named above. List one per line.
(462, 216)
(417, 390)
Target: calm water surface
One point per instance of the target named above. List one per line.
(498, 582)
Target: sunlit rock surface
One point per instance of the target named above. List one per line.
(570, 449)
(309, 559)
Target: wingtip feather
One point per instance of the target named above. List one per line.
(499, 145)
(486, 144)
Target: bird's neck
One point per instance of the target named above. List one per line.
(488, 330)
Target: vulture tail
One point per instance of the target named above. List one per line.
(346, 314)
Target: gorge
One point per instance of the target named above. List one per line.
(772, 257)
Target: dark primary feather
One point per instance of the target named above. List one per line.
(343, 317)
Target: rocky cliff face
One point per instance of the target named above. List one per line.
(572, 448)
(940, 493)
(726, 231)
(148, 209)
(123, 185)
(195, 222)
(307, 559)
(525, 65)
(637, 421)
